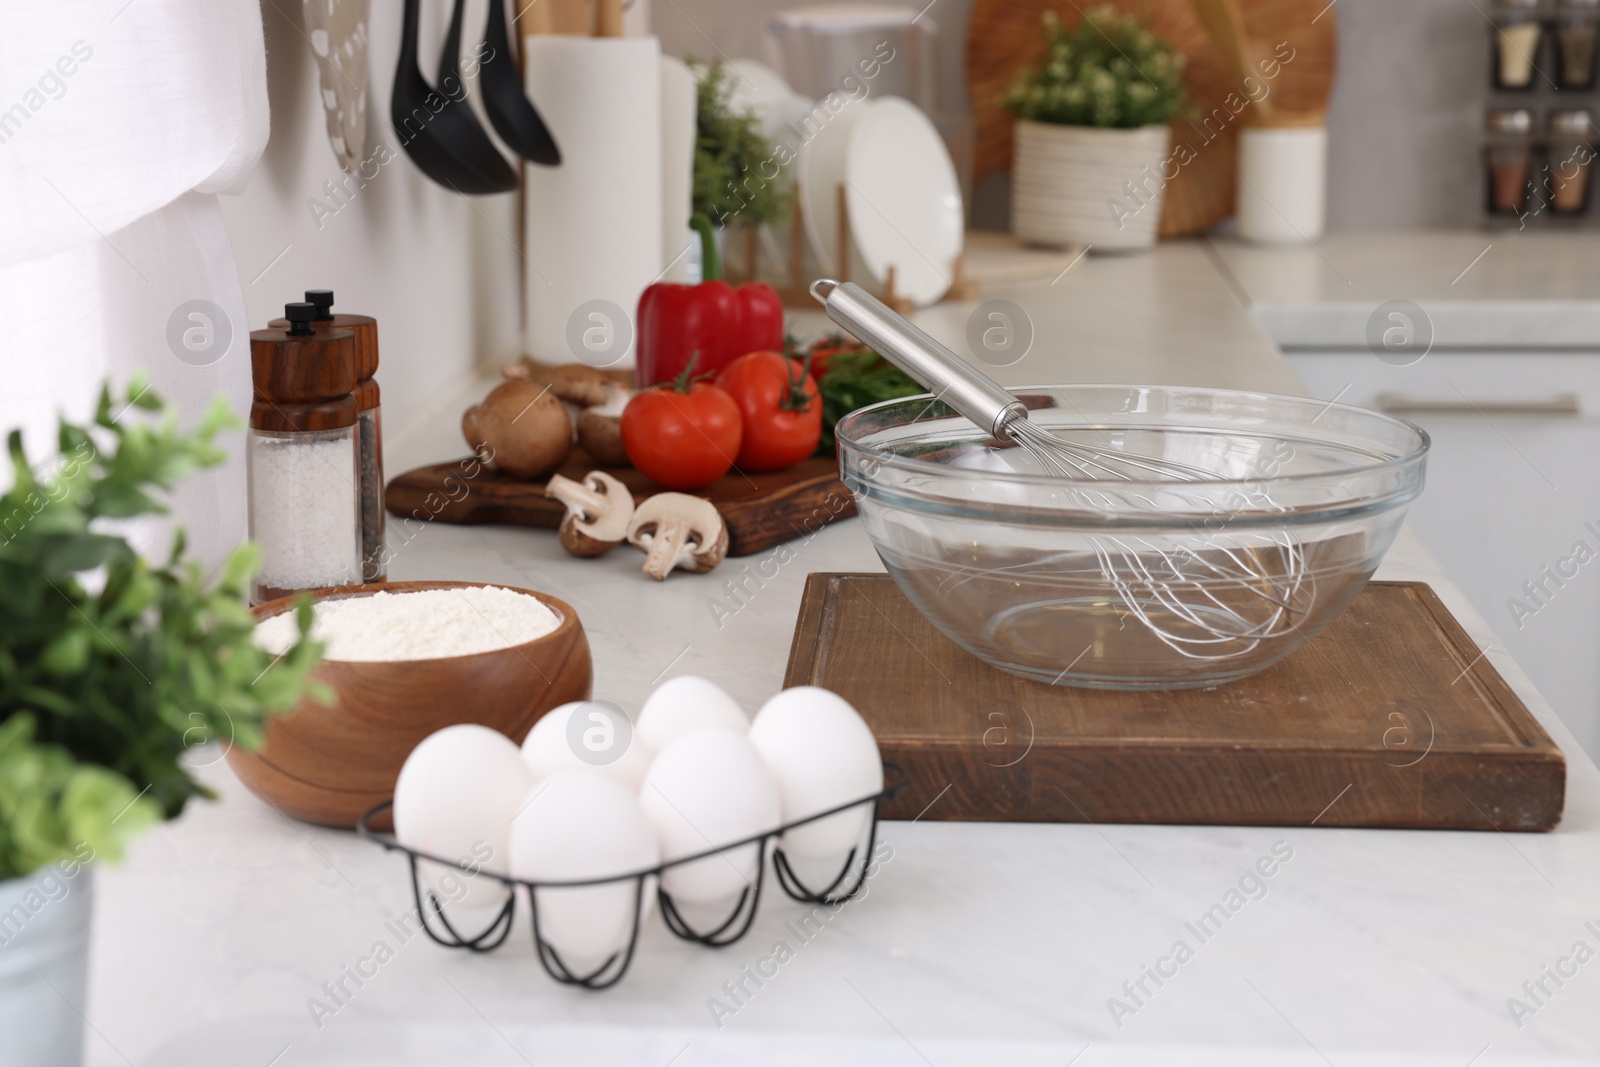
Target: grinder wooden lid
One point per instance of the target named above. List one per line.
(365, 327)
(302, 378)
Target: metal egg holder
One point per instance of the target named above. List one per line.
(734, 927)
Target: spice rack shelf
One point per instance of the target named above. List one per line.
(1540, 137)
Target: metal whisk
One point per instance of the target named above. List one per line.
(1212, 597)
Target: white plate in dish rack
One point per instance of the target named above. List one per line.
(755, 86)
(821, 170)
(905, 200)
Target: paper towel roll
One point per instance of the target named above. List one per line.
(677, 167)
(593, 236)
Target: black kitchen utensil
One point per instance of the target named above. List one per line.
(511, 113)
(481, 154)
(437, 128)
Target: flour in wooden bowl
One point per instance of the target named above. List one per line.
(423, 624)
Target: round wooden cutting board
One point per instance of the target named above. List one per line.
(1005, 35)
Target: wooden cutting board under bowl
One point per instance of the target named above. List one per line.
(762, 510)
(1392, 717)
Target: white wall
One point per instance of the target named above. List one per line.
(437, 270)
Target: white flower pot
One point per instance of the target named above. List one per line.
(1088, 186)
(44, 966)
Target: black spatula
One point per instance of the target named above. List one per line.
(512, 114)
(437, 128)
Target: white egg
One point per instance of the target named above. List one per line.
(455, 798)
(584, 824)
(684, 704)
(603, 738)
(821, 754)
(707, 789)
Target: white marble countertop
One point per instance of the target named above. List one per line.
(1479, 289)
(976, 943)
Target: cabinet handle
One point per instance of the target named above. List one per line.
(1560, 404)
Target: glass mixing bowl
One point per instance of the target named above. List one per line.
(1146, 580)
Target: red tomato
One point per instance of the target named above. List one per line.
(682, 438)
(824, 349)
(781, 409)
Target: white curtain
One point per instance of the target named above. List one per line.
(120, 122)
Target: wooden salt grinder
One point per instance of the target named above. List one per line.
(302, 382)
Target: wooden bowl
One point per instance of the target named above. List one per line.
(331, 764)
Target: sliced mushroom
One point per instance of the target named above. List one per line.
(599, 509)
(678, 530)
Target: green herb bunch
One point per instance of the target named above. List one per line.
(1110, 71)
(111, 668)
(855, 378)
(735, 167)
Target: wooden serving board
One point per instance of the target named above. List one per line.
(1390, 718)
(762, 510)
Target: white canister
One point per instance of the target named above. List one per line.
(1283, 183)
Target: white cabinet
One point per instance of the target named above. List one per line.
(1512, 503)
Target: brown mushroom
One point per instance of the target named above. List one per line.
(579, 383)
(523, 426)
(599, 509)
(678, 530)
(600, 435)
(600, 427)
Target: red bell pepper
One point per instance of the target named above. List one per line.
(719, 321)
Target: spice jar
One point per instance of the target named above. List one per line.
(301, 454)
(1516, 43)
(369, 423)
(1571, 158)
(1509, 154)
(1575, 41)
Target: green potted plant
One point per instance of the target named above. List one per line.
(1091, 133)
(112, 670)
(737, 171)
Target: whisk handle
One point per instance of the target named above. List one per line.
(939, 370)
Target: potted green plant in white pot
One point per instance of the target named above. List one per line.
(1091, 133)
(112, 669)
(738, 173)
